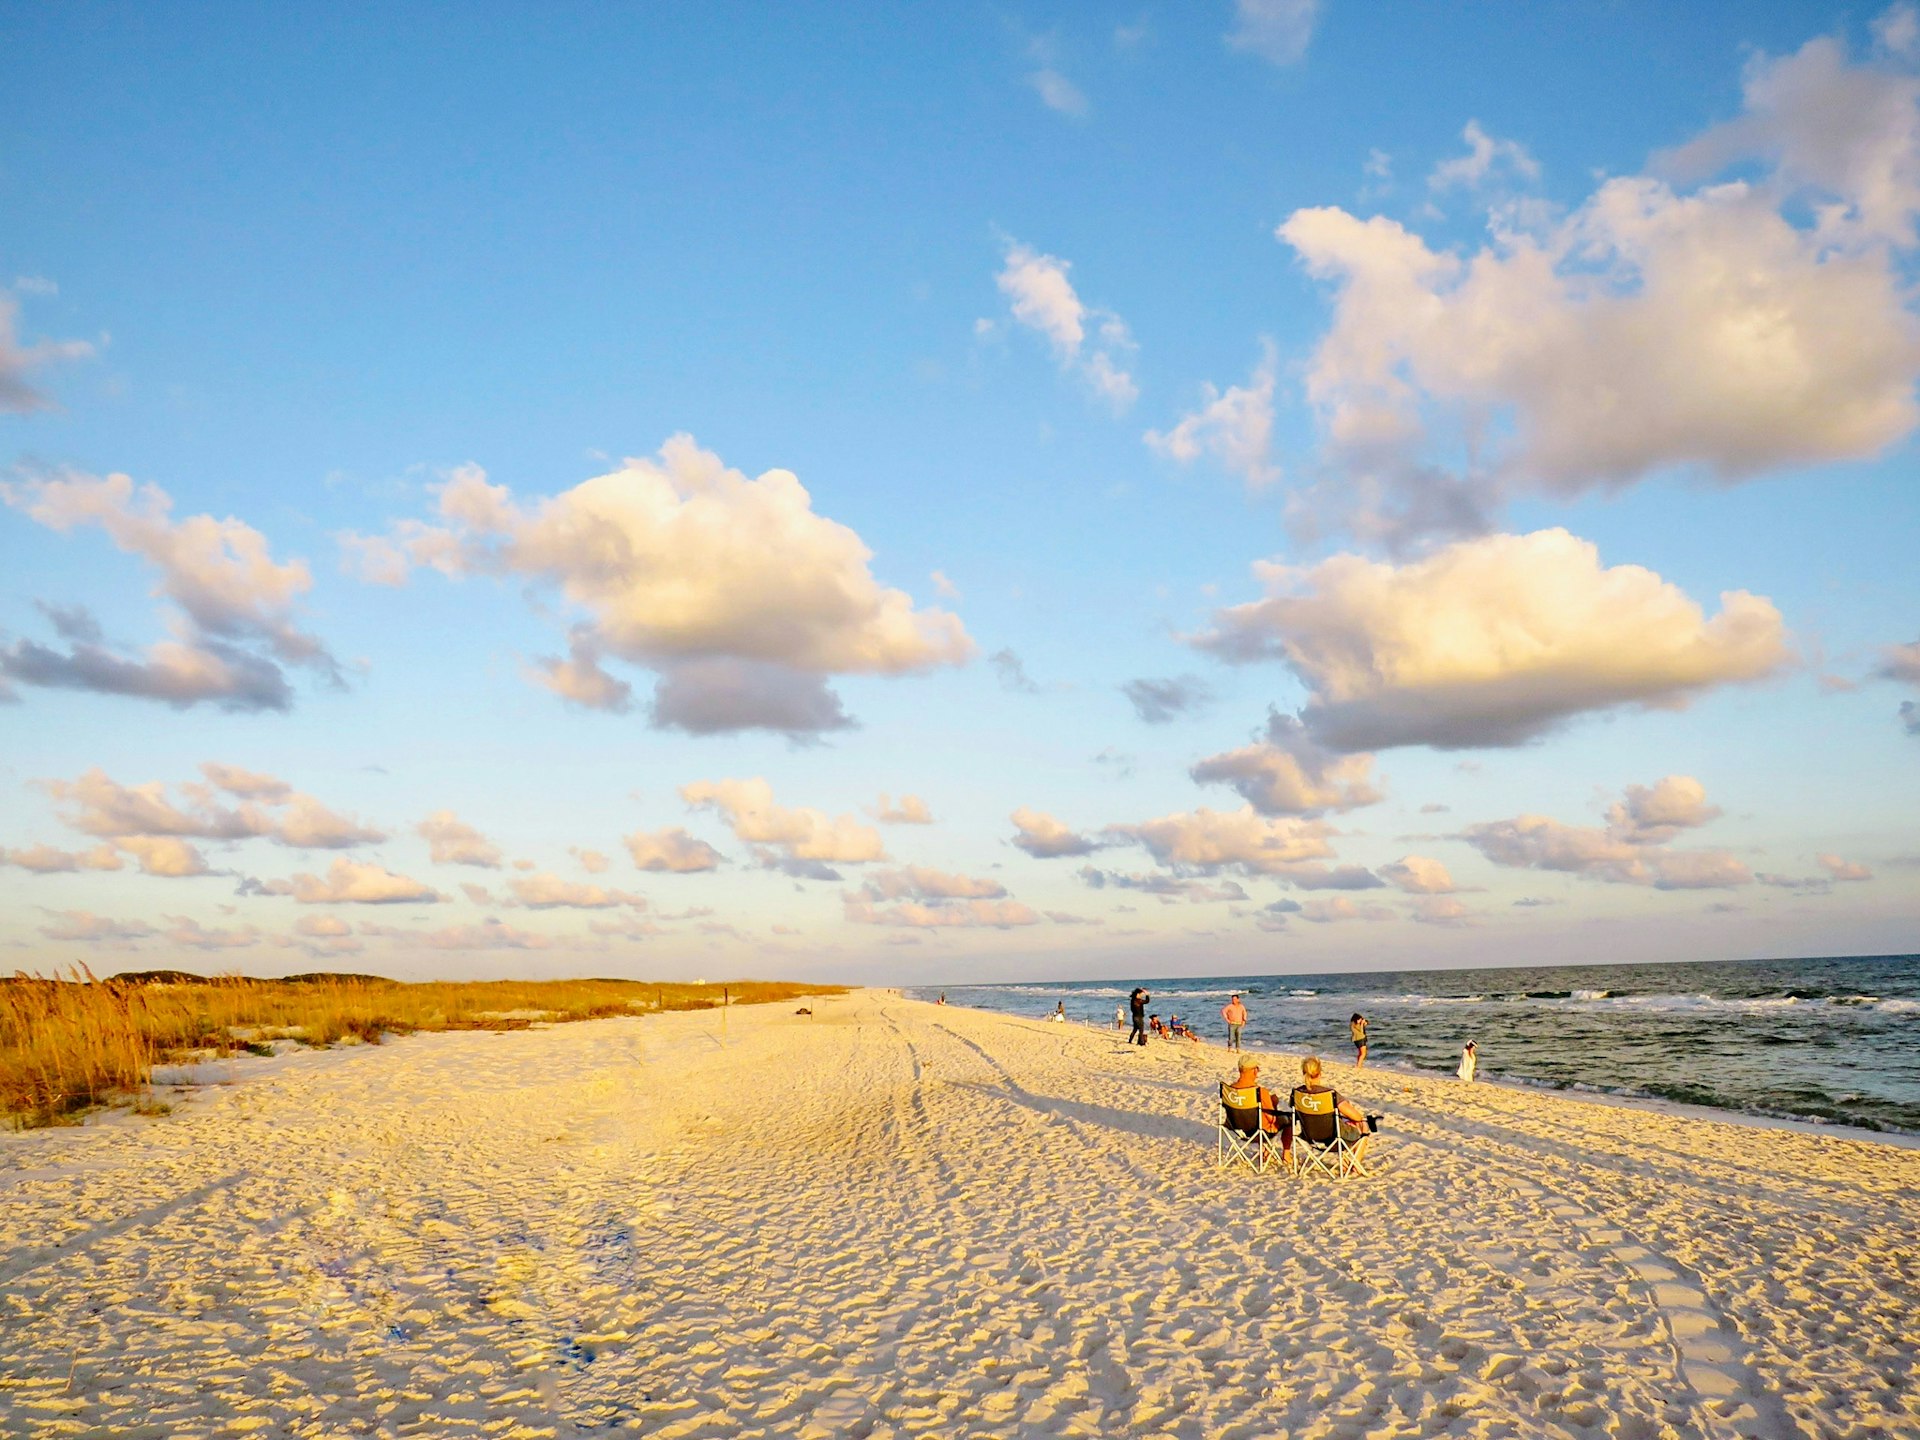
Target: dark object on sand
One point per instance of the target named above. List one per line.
(803, 1010)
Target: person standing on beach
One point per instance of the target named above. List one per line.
(1357, 1027)
(1138, 1001)
(1119, 1018)
(1469, 1061)
(1235, 1014)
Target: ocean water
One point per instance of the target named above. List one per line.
(1835, 1040)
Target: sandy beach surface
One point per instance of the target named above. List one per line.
(895, 1219)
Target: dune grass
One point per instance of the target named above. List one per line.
(72, 1042)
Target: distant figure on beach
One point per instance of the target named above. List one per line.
(1119, 1018)
(1235, 1014)
(1357, 1027)
(1059, 1015)
(1138, 1000)
(1155, 1024)
(1354, 1128)
(943, 998)
(1469, 1061)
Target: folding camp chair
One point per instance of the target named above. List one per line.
(1238, 1136)
(1320, 1144)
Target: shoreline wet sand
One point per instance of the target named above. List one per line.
(897, 1219)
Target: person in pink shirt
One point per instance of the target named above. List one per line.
(1235, 1014)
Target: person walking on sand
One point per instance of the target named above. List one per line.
(1235, 1014)
(1138, 1002)
(1357, 1027)
(1469, 1061)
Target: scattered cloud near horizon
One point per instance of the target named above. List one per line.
(1629, 850)
(804, 842)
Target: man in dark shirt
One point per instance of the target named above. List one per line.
(1138, 1000)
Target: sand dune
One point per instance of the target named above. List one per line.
(900, 1220)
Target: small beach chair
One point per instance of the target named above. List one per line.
(1239, 1137)
(1320, 1146)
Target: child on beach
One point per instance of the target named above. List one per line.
(1357, 1027)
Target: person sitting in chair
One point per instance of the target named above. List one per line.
(1157, 1026)
(1245, 1091)
(1354, 1128)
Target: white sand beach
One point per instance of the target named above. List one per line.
(895, 1219)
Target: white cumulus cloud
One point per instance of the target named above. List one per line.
(920, 882)
(546, 891)
(673, 851)
(1045, 838)
(1233, 426)
(1491, 641)
(1734, 328)
(236, 605)
(50, 860)
(1209, 841)
(1628, 851)
(802, 841)
(733, 591)
(1091, 342)
(1485, 155)
(354, 882)
(1288, 772)
(911, 810)
(451, 841)
(1418, 875)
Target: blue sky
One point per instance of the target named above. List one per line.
(1482, 440)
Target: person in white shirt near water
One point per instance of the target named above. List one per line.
(1469, 1061)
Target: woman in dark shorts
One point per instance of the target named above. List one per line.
(1357, 1027)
